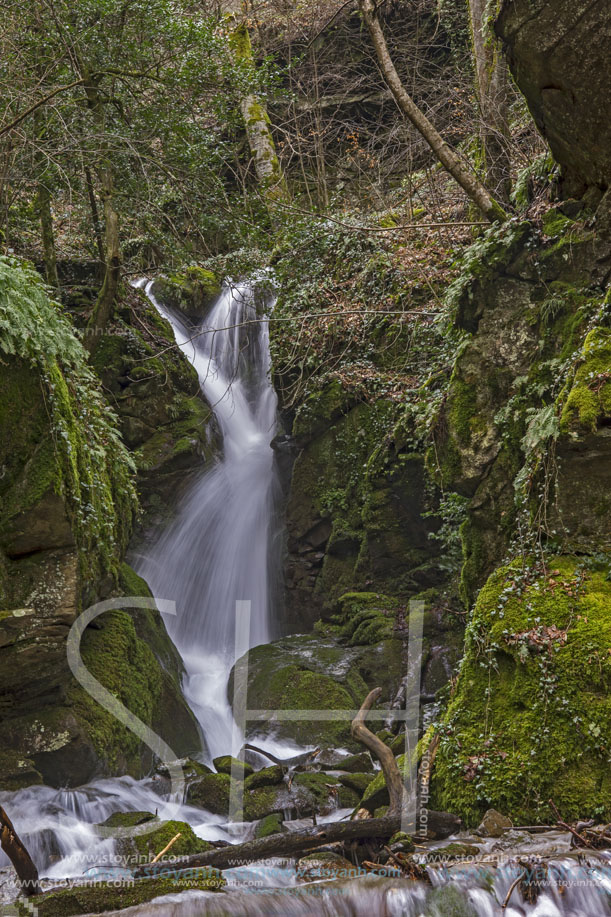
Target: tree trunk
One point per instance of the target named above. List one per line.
(12, 845)
(448, 157)
(43, 205)
(258, 132)
(95, 216)
(48, 239)
(493, 92)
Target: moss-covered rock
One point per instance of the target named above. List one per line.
(164, 418)
(211, 792)
(356, 782)
(305, 673)
(267, 776)
(225, 764)
(192, 290)
(531, 714)
(103, 897)
(145, 844)
(271, 824)
(588, 402)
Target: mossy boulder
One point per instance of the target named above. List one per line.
(259, 802)
(367, 617)
(151, 836)
(305, 673)
(271, 824)
(225, 764)
(356, 782)
(211, 792)
(530, 718)
(103, 897)
(191, 290)
(267, 776)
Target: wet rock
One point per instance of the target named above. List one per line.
(494, 824)
(150, 836)
(262, 801)
(323, 865)
(356, 782)
(351, 764)
(402, 842)
(450, 901)
(100, 898)
(232, 766)
(267, 776)
(451, 852)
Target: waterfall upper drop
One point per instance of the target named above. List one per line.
(218, 550)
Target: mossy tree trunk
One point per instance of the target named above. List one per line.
(43, 202)
(493, 93)
(258, 128)
(449, 158)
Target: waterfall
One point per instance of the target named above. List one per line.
(218, 550)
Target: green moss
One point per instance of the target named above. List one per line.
(588, 401)
(367, 617)
(126, 666)
(263, 801)
(267, 776)
(531, 714)
(148, 845)
(271, 824)
(233, 766)
(462, 409)
(376, 793)
(555, 223)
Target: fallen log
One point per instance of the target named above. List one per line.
(27, 873)
(288, 845)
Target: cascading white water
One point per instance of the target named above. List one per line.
(217, 551)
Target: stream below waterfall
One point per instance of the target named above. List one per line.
(223, 548)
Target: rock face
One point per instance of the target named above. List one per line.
(524, 433)
(352, 520)
(559, 54)
(526, 298)
(164, 419)
(66, 511)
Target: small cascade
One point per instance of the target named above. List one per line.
(218, 550)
